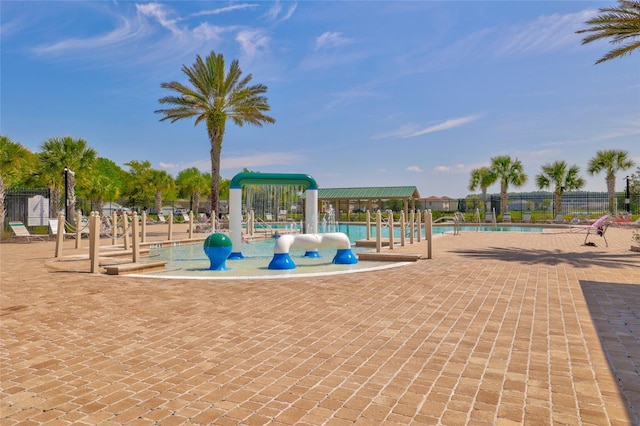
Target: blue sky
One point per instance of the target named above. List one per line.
(364, 93)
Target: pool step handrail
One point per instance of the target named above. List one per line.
(456, 222)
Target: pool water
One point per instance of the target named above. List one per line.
(190, 261)
(359, 232)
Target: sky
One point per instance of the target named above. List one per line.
(364, 93)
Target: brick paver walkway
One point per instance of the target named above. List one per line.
(498, 328)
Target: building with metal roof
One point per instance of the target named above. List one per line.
(342, 199)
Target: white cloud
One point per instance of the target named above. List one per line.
(415, 169)
(160, 14)
(248, 161)
(458, 168)
(411, 130)
(273, 14)
(545, 34)
(252, 42)
(225, 9)
(331, 39)
(261, 160)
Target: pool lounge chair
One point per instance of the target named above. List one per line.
(506, 218)
(488, 217)
(526, 218)
(21, 231)
(599, 227)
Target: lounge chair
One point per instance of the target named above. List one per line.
(506, 217)
(559, 219)
(21, 231)
(53, 227)
(599, 227)
(161, 218)
(526, 218)
(488, 217)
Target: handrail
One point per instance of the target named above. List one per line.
(456, 223)
(267, 228)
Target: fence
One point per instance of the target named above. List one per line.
(573, 204)
(29, 206)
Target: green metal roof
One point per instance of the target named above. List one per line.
(379, 192)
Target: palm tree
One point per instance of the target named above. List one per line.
(214, 97)
(139, 187)
(104, 183)
(562, 177)
(620, 24)
(14, 159)
(161, 182)
(610, 161)
(56, 155)
(508, 172)
(191, 183)
(482, 178)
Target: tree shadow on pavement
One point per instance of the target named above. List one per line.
(552, 257)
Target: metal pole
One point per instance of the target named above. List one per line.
(627, 198)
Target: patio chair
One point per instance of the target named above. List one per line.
(599, 227)
(488, 217)
(526, 218)
(21, 231)
(506, 218)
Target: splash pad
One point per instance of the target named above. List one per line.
(310, 240)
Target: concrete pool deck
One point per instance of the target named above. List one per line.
(498, 328)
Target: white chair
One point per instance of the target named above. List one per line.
(21, 231)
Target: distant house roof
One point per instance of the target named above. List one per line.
(374, 192)
(434, 198)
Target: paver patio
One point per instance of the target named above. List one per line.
(498, 328)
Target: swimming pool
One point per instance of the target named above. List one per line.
(357, 232)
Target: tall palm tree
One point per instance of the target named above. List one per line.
(508, 172)
(610, 161)
(55, 155)
(562, 177)
(620, 24)
(213, 97)
(482, 178)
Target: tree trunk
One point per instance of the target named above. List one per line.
(100, 205)
(71, 196)
(216, 132)
(158, 201)
(196, 202)
(2, 209)
(503, 197)
(611, 190)
(55, 201)
(484, 199)
(558, 203)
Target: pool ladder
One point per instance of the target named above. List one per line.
(456, 219)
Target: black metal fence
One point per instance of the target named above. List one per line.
(543, 204)
(29, 206)
(33, 206)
